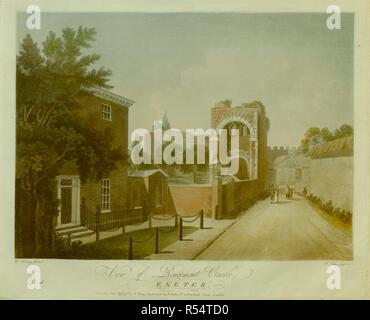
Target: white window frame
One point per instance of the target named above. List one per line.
(105, 203)
(106, 112)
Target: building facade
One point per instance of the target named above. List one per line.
(105, 111)
(230, 193)
(253, 125)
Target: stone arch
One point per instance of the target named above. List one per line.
(235, 118)
(244, 169)
(285, 171)
(286, 157)
(248, 145)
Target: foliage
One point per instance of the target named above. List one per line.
(50, 131)
(63, 246)
(165, 122)
(341, 214)
(315, 135)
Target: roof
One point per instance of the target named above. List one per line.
(342, 147)
(229, 178)
(110, 96)
(146, 173)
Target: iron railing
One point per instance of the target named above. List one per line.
(104, 221)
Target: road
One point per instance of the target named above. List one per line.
(289, 230)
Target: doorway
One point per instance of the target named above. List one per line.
(69, 197)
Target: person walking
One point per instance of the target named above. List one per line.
(272, 192)
(287, 194)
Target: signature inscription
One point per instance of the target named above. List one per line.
(173, 276)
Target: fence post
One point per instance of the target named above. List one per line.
(176, 221)
(123, 225)
(83, 211)
(150, 221)
(180, 228)
(156, 240)
(130, 249)
(145, 212)
(69, 240)
(201, 219)
(97, 223)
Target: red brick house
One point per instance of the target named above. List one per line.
(102, 109)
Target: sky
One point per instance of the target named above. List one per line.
(186, 62)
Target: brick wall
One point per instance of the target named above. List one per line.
(245, 191)
(189, 200)
(90, 111)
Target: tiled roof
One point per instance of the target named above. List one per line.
(342, 147)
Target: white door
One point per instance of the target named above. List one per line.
(69, 196)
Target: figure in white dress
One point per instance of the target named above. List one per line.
(274, 194)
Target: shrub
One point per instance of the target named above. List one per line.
(337, 212)
(328, 206)
(63, 246)
(346, 216)
(341, 214)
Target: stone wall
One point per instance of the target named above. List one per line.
(236, 196)
(189, 199)
(332, 179)
(246, 191)
(218, 200)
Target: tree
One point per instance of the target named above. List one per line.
(314, 136)
(50, 132)
(165, 122)
(344, 130)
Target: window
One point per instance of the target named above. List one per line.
(106, 112)
(105, 195)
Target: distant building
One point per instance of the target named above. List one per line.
(325, 172)
(287, 167)
(292, 170)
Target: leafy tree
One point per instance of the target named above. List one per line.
(344, 130)
(50, 131)
(314, 136)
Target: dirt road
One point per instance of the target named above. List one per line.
(289, 230)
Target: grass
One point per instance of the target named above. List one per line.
(117, 247)
(345, 227)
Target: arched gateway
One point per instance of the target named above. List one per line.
(249, 118)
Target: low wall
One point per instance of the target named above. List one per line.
(190, 199)
(238, 196)
(332, 179)
(246, 191)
